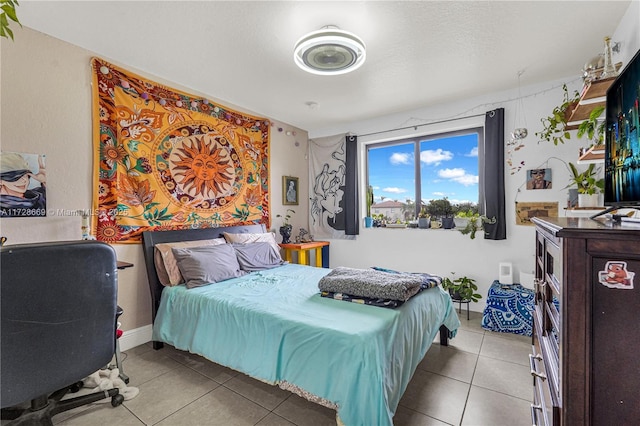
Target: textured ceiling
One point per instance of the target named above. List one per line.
(419, 53)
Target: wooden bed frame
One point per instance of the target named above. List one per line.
(151, 238)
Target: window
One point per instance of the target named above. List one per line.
(425, 168)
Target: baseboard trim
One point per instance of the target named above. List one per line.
(136, 337)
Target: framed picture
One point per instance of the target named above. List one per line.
(526, 210)
(539, 179)
(289, 191)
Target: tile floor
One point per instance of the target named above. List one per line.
(482, 378)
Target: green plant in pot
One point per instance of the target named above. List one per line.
(587, 183)
(285, 229)
(368, 220)
(424, 221)
(462, 288)
(476, 223)
(554, 125)
(443, 210)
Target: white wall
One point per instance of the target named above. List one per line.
(443, 251)
(46, 109)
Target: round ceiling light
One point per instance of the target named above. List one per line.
(329, 51)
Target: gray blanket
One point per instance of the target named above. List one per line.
(372, 283)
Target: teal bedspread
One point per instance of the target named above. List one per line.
(273, 325)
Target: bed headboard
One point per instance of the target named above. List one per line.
(151, 238)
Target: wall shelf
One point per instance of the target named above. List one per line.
(593, 95)
(595, 154)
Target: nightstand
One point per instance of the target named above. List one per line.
(303, 249)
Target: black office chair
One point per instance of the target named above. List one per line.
(58, 309)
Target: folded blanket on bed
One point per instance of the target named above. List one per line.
(377, 284)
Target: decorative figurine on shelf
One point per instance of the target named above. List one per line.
(304, 236)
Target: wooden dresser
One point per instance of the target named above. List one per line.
(586, 338)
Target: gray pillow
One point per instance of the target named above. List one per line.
(207, 264)
(257, 256)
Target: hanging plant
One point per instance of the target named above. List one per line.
(8, 12)
(554, 125)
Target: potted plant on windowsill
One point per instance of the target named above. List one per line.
(589, 186)
(424, 221)
(476, 223)
(462, 289)
(285, 229)
(368, 219)
(443, 210)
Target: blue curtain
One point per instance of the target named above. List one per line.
(493, 175)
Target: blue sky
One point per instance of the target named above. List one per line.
(449, 168)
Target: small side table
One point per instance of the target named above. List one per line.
(302, 249)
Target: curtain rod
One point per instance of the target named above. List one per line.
(420, 125)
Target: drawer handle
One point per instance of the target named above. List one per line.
(532, 364)
(534, 414)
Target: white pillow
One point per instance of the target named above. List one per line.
(166, 264)
(267, 237)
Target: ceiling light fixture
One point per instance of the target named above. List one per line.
(329, 51)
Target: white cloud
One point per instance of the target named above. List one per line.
(458, 175)
(435, 157)
(400, 158)
(473, 152)
(394, 190)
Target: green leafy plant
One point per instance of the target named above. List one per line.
(286, 217)
(440, 208)
(554, 125)
(8, 12)
(476, 222)
(585, 181)
(463, 288)
(593, 127)
(424, 214)
(369, 200)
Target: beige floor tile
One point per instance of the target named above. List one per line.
(506, 349)
(138, 350)
(147, 366)
(485, 407)
(220, 407)
(202, 365)
(102, 414)
(169, 392)
(450, 361)
(436, 396)
(274, 420)
(468, 341)
(407, 417)
(473, 324)
(505, 377)
(304, 413)
(264, 394)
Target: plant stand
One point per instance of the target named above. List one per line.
(460, 302)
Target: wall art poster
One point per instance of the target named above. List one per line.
(616, 275)
(527, 210)
(23, 183)
(539, 179)
(165, 159)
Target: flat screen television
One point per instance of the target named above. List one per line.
(622, 139)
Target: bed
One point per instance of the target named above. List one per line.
(274, 326)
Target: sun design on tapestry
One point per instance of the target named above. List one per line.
(202, 168)
(170, 160)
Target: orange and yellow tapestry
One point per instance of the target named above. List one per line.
(164, 159)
